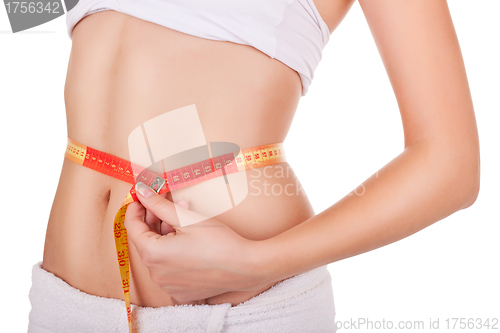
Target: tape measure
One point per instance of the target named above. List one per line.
(119, 168)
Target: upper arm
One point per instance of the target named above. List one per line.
(418, 45)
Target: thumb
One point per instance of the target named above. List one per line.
(162, 208)
(138, 232)
(166, 210)
(167, 229)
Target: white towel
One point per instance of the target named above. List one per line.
(302, 303)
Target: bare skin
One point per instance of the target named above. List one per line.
(438, 172)
(124, 71)
(435, 175)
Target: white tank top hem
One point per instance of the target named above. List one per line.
(291, 31)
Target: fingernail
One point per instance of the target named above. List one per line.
(143, 189)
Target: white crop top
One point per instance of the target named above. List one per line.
(291, 31)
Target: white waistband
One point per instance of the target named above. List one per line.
(288, 288)
(59, 307)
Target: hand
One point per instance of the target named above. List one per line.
(193, 262)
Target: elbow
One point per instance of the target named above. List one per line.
(468, 180)
(472, 191)
(456, 169)
(470, 196)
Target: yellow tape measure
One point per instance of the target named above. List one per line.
(119, 168)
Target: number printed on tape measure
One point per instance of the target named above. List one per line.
(190, 174)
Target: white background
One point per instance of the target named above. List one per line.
(349, 118)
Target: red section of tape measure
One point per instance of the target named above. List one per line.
(119, 168)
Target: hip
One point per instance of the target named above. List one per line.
(80, 246)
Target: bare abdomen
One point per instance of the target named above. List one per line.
(124, 71)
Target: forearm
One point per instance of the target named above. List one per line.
(422, 185)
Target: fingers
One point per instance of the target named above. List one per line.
(138, 232)
(167, 229)
(165, 210)
(156, 204)
(152, 220)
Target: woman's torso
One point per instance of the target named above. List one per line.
(124, 71)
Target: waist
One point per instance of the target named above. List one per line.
(124, 72)
(80, 247)
(251, 175)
